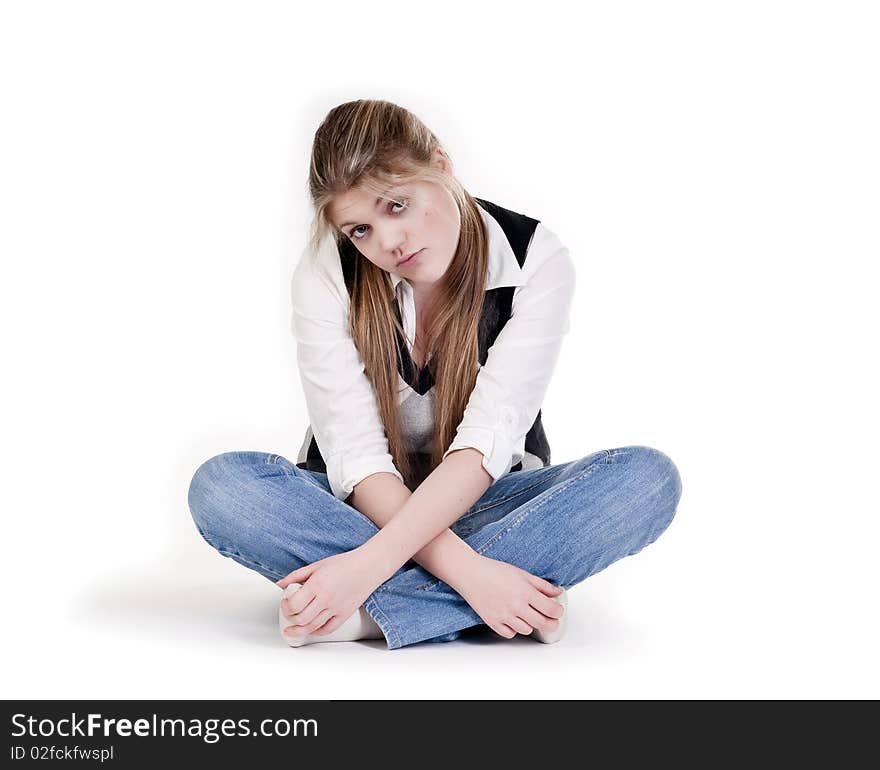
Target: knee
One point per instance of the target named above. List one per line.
(654, 478)
(211, 493)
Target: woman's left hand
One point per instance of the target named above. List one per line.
(332, 590)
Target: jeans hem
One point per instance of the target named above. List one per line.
(375, 612)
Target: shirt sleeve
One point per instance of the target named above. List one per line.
(341, 404)
(511, 385)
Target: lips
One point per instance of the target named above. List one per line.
(408, 257)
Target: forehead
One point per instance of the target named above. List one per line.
(360, 201)
(353, 199)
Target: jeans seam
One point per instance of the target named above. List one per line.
(274, 458)
(232, 552)
(226, 551)
(499, 502)
(609, 453)
(606, 459)
(586, 471)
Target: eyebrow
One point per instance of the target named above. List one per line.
(378, 201)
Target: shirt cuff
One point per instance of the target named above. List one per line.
(343, 472)
(497, 449)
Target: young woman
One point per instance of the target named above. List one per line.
(423, 502)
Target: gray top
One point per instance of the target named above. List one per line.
(417, 417)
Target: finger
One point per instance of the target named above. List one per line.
(506, 631)
(337, 620)
(297, 576)
(330, 626)
(308, 613)
(310, 627)
(545, 586)
(536, 620)
(520, 625)
(546, 606)
(295, 604)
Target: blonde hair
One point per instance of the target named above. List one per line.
(372, 145)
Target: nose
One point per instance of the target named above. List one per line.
(393, 242)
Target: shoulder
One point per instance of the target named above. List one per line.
(517, 227)
(538, 248)
(547, 262)
(548, 252)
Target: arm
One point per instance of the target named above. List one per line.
(419, 528)
(382, 497)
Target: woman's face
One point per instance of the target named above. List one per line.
(418, 217)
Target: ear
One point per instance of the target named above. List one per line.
(441, 160)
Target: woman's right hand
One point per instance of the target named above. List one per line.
(507, 598)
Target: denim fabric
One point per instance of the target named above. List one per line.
(561, 522)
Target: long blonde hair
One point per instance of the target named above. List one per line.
(373, 144)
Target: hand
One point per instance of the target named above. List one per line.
(332, 590)
(509, 599)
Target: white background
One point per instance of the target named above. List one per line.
(713, 168)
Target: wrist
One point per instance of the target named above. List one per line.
(378, 559)
(447, 557)
(466, 565)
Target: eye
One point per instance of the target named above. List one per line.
(404, 204)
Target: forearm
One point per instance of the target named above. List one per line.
(418, 529)
(381, 496)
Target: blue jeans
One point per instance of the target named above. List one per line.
(562, 522)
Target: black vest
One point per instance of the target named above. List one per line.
(497, 304)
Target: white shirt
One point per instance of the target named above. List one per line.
(509, 387)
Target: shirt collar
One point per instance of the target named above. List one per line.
(504, 269)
